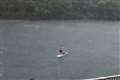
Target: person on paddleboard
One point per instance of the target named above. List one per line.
(61, 51)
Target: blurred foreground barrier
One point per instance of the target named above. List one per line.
(114, 77)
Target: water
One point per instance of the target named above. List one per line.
(29, 49)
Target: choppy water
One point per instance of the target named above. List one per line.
(28, 49)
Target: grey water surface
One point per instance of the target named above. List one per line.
(28, 49)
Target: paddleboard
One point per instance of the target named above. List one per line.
(62, 55)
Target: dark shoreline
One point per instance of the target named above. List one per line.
(106, 10)
(66, 19)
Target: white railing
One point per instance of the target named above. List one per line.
(114, 77)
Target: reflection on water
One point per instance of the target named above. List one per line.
(30, 49)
